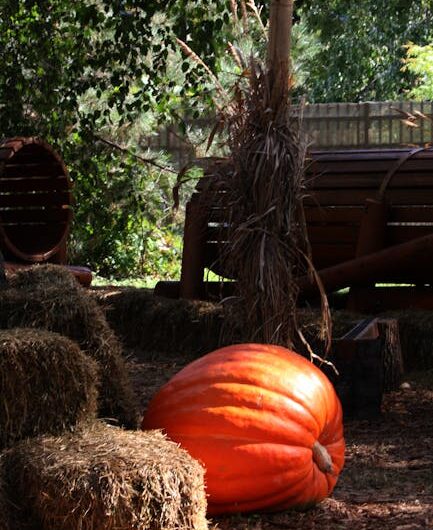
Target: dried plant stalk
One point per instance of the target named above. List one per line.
(267, 238)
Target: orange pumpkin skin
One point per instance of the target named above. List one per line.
(265, 423)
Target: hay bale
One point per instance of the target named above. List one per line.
(43, 275)
(4, 501)
(47, 384)
(155, 324)
(104, 478)
(11, 516)
(49, 297)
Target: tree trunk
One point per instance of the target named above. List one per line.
(392, 358)
(278, 60)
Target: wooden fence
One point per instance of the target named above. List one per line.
(369, 125)
(333, 126)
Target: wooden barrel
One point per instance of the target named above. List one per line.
(35, 202)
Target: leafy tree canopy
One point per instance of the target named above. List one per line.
(361, 47)
(419, 61)
(115, 51)
(73, 70)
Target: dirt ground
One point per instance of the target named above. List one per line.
(387, 481)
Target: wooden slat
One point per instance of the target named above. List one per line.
(34, 184)
(218, 214)
(46, 215)
(345, 155)
(411, 214)
(38, 155)
(386, 298)
(326, 255)
(357, 197)
(39, 169)
(335, 235)
(372, 180)
(401, 234)
(365, 166)
(35, 199)
(333, 215)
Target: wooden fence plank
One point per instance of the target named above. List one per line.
(329, 126)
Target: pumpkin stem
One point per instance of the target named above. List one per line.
(322, 458)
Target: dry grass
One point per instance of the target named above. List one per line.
(11, 517)
(49, 297)
(5, 508)
(386, 483)
(104, 478)
(265, 231)
(47, 384)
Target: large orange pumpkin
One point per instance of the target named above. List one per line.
(264, 421)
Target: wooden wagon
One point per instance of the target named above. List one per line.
(369, 216)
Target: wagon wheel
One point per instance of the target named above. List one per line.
(372, 230)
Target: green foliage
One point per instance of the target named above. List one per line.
(361, 47)
(76, 71)
(419, 62)
(124, 222)
(72, 71)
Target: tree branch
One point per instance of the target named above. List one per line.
(126, 151)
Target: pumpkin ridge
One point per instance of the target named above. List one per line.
(273, 404)
(237, 438)
(264, 503)
(257, 425)
(176, 396)
(278, 491)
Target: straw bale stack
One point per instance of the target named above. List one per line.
(163, 325)
(11, 516)
(105, 478)
(43, 275)
(49, 297)
(4, 504)
(47, 384)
